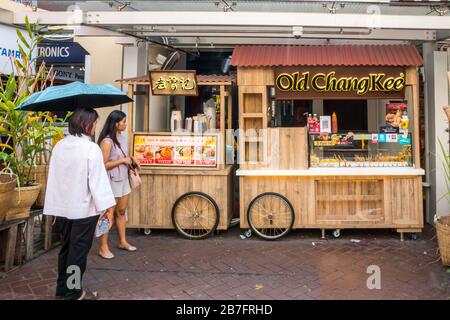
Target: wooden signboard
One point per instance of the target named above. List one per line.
(173, 83)
(340, 82)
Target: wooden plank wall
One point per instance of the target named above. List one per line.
(287, 149)
(253, 105)
(151, 204)
(342, 202)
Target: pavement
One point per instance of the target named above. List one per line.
(226, 267)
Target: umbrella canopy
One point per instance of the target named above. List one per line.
(74, 95)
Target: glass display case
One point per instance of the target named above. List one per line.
(360, 150)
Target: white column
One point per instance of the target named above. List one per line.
(87, 68)
(436, 97)
(134, 65)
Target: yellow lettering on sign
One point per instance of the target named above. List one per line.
(328, 82)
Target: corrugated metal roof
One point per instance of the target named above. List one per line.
(140, 79)
(201, 78)
(326, 55)
(215, 78)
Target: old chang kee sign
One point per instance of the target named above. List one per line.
(340, 83)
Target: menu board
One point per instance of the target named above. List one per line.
(184, 151)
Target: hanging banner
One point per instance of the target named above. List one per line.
(181, 83)
(340, 82)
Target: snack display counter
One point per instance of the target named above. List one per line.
(311, 173)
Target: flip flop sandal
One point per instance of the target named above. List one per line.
(129, 248)
(90, 295)
(107, 257)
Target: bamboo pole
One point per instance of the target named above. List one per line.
(147, 109)
(414, 82)
(130, 127)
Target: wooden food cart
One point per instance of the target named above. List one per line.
(291, 177)
(192, 195)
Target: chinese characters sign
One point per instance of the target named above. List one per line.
(170, 150)
(174, 83)
(340, 83)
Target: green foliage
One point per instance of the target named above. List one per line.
(446, 166)
(29, 136)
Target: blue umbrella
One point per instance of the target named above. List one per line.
(74, 95)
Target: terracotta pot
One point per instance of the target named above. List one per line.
(23, 199)
(40, 174)
(7, 185)
(443, 235)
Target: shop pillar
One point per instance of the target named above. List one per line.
(436, 97)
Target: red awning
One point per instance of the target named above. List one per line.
(325, 55)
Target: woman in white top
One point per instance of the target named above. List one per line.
(78, 193)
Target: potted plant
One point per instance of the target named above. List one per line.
(443, 222)
(20, 128)
(8, 182)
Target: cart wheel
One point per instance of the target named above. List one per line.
(270, 215)
(336, 233)
(195, 215)
(147, 231)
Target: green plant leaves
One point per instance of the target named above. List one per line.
(22, 38)
(6, 146)
(11, 87)
(28, 26)
(29, 135)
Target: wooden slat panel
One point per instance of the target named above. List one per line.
(255, 76)
(151, 204)
(286, 148)
(394, 196)
(406, 209)
(359, 200)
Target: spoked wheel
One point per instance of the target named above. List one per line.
(270, 215)
(195, 215)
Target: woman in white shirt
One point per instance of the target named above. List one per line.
(78, 193)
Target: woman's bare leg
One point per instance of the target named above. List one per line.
(103, 245)
(120, 210)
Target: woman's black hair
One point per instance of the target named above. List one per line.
(110, 128)
(82, 121)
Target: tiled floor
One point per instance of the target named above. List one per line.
(299, 266)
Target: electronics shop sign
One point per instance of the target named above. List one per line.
(62, 53)
(340, 83)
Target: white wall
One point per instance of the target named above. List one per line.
(159, 105)
(104, 65)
